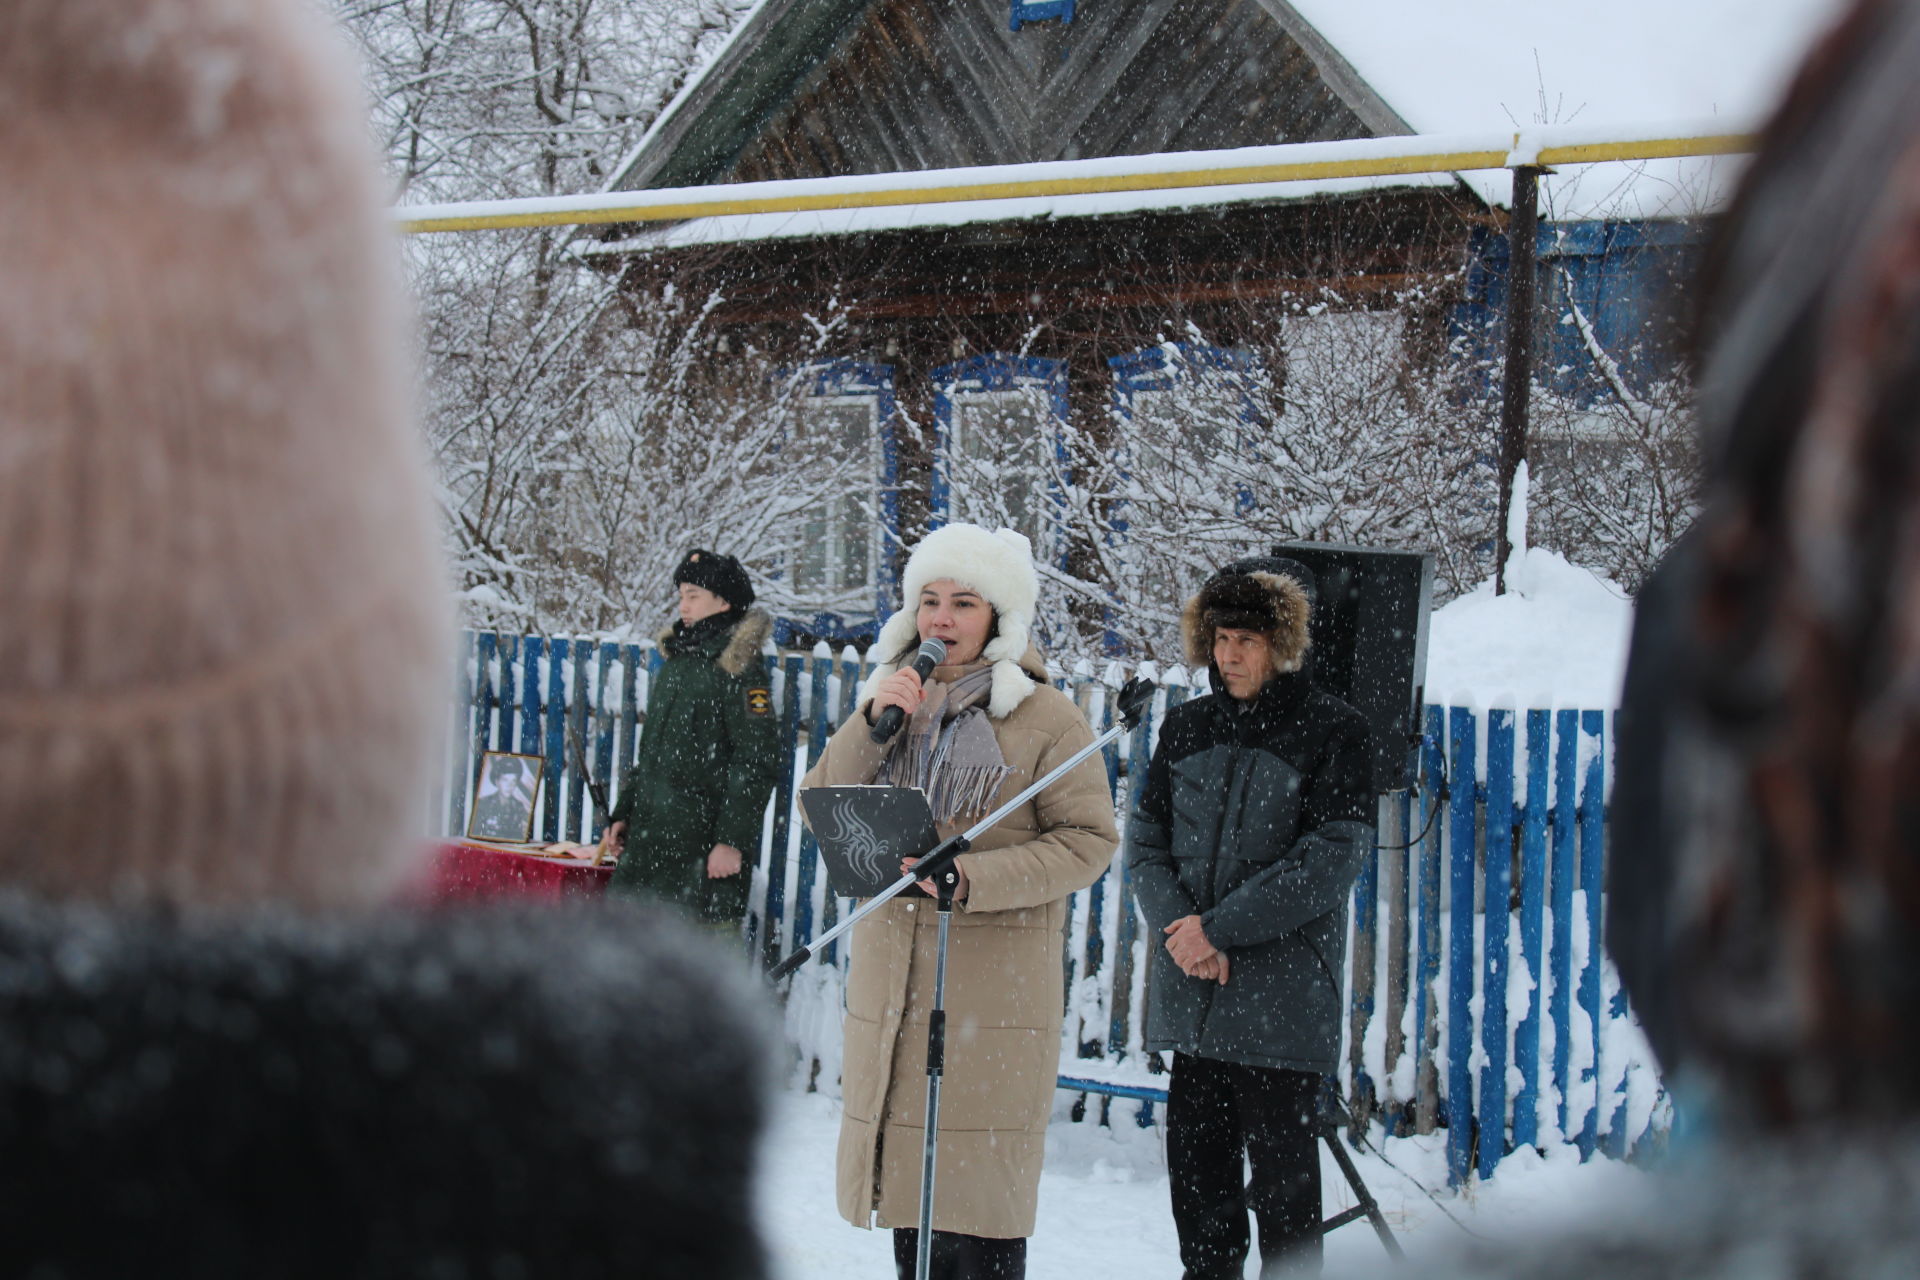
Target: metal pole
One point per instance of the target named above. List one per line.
(936, 1068)
(1522, 231)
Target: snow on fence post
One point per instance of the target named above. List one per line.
(1082, 937)
(504, 698)
(1129, 953)
(532, 651)
(461, 742)
(553, 749)
(600, 740)
(778, 940)
(1592, 879)
(1396, 863)
(819, 729)
(1560, 963)
(1495, 971)
(1533, 890)
(1361, 926)
(1106, 953)
(1460, 968)
(575, 769)
(844, 690)
(1426, 1114)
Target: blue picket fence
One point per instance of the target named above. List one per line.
(1509, 818)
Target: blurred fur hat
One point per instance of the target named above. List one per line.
(1270, 594)
(224, 609)
(999, 565)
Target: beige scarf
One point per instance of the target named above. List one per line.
(948, 749)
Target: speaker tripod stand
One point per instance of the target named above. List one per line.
(1330, 1117)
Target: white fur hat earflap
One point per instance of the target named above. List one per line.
(999, 565)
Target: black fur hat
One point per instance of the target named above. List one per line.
(1268, 594)
(722, 575)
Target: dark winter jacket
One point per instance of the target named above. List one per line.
(1256, 816)
(473, 1094)
(709, 757)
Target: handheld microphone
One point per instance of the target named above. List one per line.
(931, 654)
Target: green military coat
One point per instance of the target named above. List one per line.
(709, 757)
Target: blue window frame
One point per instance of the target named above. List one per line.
(843, 566)
(1178, 410)
(1000, 452)
(1022, 11)
(1624, 276)
(1218, 381)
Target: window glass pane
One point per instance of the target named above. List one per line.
(833, 563)
(1000, 456)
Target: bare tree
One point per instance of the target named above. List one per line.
(1617, 472)
(479, 99)
(1322, 424)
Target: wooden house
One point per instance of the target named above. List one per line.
(986, 319)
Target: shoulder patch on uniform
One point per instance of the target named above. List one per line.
(759, 701)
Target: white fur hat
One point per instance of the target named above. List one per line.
(999, 565)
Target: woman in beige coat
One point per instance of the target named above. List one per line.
(982, 729)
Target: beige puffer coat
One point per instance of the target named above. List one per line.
(1004, 995)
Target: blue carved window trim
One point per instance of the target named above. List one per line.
(1166, 365)
(858, 379)
(1022, 11)
(1002, 373)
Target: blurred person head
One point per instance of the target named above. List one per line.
(223, 612)
(1766, 900)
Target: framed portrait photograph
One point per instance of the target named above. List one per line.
(504, 796)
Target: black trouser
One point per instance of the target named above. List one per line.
(1216, 1111)
(958, 1257)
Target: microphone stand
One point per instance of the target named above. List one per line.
(1130, 704)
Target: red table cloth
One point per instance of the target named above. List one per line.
(476, 871)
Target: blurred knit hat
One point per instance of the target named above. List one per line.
(999, 565)
(722, 575)
(223, 609)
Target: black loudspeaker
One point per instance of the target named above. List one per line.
(1369, 630)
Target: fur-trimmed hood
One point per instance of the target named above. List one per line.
(743, 646)
(997, 564)
(1291, 606)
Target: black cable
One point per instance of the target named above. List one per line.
(1364, 1143)
(1439, 802)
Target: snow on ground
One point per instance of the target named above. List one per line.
(1103, 1201)
(1558, 638)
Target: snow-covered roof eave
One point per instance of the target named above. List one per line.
(814, 224)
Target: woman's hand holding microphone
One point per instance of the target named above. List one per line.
(901, 689)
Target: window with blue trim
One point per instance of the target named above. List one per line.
(838, 567)
(1000, 458)
(1190, 444)
(1182, 408)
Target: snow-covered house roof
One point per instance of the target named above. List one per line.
(816, 87)
(1450, 66)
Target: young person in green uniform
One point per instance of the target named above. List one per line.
(689, 812)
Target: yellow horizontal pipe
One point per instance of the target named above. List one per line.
(1723, 144)
(1173, 179)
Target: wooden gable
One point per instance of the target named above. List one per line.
(820, 87)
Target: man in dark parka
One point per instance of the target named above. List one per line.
(1244, 844)
(689, 812)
